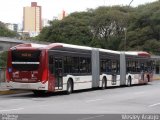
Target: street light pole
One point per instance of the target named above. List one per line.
(130, 3)
(125, 38)
(104, 2)
(125, 30)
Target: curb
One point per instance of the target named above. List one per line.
(9, 92)
(158, 78)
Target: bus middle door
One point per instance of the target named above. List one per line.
(59, 73)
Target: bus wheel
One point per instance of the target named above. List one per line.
(148, 78)
(69, 87)
(104, 83)
(129, 81)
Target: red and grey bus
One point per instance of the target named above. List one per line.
(65, 67)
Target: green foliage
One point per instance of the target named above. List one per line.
(73, 29)
(152, 45)
(109, 28)
(6, 32)
(3, 59)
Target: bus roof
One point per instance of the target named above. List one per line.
(28, 45)
(55, 45)
(138, 53)
(109, 51)
(79, 47)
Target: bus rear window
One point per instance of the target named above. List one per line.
(26, 60)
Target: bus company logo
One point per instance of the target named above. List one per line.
(9, 117)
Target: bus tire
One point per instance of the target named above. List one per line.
(104, 81)
(69, 86)
(129, 81)
(148, 78)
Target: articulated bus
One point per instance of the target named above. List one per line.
(65, 67)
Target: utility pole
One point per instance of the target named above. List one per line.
(130, 3)
(125, 30)
(104, 2)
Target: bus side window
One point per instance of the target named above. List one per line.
(114, 66)
(107, 66)
(142, 66)
(68, 64)
(118, 66)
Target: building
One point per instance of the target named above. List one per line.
(32, 21)
(62, 15)
(45, 23)
(7, 42)
(55, 18)
(13, 27)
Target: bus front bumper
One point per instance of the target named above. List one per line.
(27, 86)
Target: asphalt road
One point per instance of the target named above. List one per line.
(121, 100)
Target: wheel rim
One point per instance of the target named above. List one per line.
(69, 87)
(103, 84)
(129, 82)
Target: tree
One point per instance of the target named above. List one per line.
(108, 24)
(6, 32)
(3, 59)
(152, 45)
(109, 28)
(73, 29)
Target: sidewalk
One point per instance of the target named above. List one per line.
(4, 90)
(156, 77)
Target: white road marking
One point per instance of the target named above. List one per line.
(94, 100)
(154, 105)
(91, 117)
(11, 109)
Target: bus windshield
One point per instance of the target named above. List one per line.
(26, 60)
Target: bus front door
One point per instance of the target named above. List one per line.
(59, 73)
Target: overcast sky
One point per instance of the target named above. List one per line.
(11, 11)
